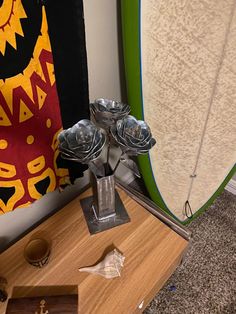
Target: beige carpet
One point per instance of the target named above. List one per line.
(206, 282)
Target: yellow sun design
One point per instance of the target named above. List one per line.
(23, 79)
(11, 12)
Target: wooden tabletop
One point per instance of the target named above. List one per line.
(152, 252)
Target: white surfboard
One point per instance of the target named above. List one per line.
(180, 60)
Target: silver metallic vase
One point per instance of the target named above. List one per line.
(104, 201)
(104, 209)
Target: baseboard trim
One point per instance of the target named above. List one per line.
(231, 186)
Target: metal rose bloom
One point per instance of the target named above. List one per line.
(82, 143)
(133, 136)
(106, 112)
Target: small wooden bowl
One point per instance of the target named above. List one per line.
(37, 252)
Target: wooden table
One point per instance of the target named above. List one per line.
(152, 252)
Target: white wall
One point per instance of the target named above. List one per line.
(16, 223)
(104, 81)
(104, 49)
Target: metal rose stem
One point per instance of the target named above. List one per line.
(108, 150)
(116, 166)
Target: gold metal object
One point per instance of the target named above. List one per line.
(42, 306)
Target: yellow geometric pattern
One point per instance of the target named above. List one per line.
(7, 170)
(11, 12)
(4, 120)
(23, 80)
(3, 144)
(32, 181)
(41, 96)
(15, 198)
(36, 165)
(61, 172)
(25, 113)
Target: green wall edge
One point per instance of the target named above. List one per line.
(131, 46)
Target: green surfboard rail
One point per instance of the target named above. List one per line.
(130, 13)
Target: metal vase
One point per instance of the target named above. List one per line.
(104, 200)
(104, 209)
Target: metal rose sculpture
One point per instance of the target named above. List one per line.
(106, 112)
(133, 136)
(83, 142)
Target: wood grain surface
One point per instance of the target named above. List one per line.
(152, 251)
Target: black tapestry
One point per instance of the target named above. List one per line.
(43, 88)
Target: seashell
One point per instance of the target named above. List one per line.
(109, 267)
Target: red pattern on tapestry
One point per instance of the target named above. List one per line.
(31, 143)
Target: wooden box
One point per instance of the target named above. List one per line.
(66, 304)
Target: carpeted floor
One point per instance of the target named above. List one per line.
(206, 282)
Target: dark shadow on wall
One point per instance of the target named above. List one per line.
(3, 243)
(120, 53)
